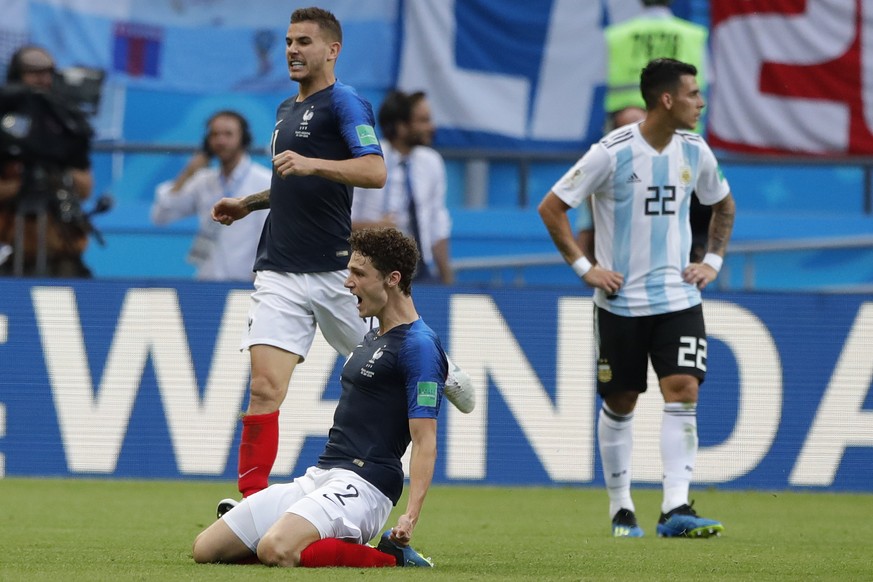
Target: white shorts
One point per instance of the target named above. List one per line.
(338, 502)
(286, 307)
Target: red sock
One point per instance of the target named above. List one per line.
(335, 552)
(257, 451)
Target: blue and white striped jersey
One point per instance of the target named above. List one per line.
(641, 205)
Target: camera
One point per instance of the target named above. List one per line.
(38, 126)
(80, 86)
(49, 132)
(46, 133)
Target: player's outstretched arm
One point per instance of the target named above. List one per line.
(228, 210)
(364, 172)
(421, 468)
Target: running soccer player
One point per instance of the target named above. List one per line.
(323, 146)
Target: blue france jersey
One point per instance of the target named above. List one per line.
(309, 224)
(386, 381)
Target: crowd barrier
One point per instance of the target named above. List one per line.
(138, 379)
(783, 239)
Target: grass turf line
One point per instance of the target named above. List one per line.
(56, 529)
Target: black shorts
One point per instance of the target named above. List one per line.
(675, 342)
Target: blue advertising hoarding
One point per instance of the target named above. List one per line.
(138, 379)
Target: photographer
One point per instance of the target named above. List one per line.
(43, 195)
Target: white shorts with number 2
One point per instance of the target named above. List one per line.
(338, 502)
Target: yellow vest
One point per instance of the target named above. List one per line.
(632, 44)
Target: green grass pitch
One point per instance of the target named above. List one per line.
(56, 529)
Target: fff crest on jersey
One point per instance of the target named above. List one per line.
(302, 130)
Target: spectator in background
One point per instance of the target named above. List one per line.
(219, 253)
(646, 292)
(35, 188)
(630, 45)
(414, 196)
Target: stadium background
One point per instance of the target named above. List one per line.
(136, 374)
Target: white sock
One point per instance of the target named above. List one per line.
(615, 438)
(678, 452)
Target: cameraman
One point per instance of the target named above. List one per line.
(33, 67)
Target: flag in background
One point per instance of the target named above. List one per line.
(137, 49)
(792, 76)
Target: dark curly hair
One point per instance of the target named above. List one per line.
(389, 250)
(323, 18)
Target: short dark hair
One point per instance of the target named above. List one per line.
(389, 250)
(16, 69)
(662, 75)
(323, 18)
(397, 108)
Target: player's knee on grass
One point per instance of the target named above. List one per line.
(273, 553)
(203, 551)
(218, 543)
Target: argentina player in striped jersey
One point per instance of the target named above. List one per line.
(646, 290)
